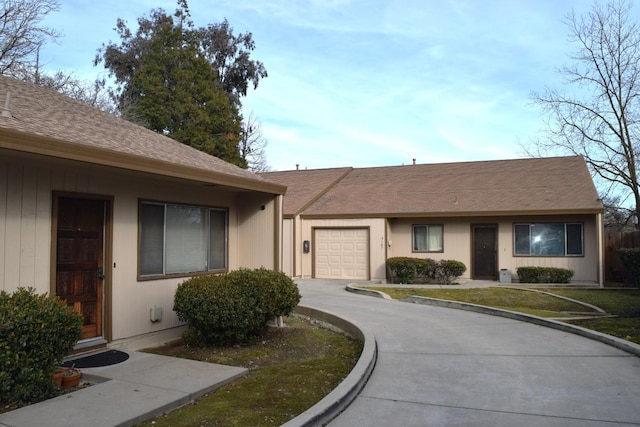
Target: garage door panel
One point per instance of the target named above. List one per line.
(342, 253)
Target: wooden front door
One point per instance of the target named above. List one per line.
(485, 254)
(80, 259)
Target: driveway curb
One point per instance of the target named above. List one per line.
(336, 401)
(618, 343)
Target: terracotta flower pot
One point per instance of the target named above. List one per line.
(57, 377)
(71, 377)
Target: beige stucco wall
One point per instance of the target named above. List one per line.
(25, 230)
(377, 241)
(287, 247)
(457, 243)
(255, 230)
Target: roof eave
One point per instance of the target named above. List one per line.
(586, 211)
(30, 143)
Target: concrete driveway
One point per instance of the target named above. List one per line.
(439, 366)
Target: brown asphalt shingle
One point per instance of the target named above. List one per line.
(541, 185)
(305, 186)
(44, 112)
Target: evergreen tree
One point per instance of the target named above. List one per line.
(165, 83)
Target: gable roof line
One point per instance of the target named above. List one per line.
(325, 191)
(42, 145)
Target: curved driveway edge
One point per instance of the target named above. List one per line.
(618, 343)
(340, 397)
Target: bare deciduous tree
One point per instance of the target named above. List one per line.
(600, 118)
(252, 145)
(22, 33)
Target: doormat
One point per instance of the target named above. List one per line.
(104, 358)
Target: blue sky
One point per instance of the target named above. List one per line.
(369, 82)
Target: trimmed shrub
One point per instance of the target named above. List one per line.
(234, 307)
(36, 333)
(424, 270)
(544, 275)
(630, 259)
(403, 269)
(448, 270)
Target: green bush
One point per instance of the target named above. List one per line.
(544, 275)
(448, 270)
(36, 333)
(234, 307)
(426, 269)
(630, 259)
(403, 269)
(420, 270)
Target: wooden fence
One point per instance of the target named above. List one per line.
(614, 240)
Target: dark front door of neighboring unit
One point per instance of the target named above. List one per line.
(485, 252)
(79, 259)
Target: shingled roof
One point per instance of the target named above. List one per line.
(304, 189)
(43, 121)
(521, 186)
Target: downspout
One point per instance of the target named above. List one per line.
(600, 226)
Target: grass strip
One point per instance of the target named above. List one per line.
(624, 303)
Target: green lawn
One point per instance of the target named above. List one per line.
(623, 303)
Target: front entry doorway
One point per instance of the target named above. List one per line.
(79, 275)
(485, 254)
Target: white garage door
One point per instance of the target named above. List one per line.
(342, 253)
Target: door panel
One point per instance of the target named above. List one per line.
(484, 252)
(79, 260)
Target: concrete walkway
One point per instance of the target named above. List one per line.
(125, 394)
(439, 366)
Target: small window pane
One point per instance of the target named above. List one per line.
(218, 240)
(522, 238)
(435, 238)
(186, 241)
(151, 239)
(574, 239)
(419, 237)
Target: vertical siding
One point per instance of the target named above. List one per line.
(287, 247)
(4, 175)
(26, 188)
(28, 226)
(256, 231)
(12, 229)
(296, 247)
(43, 228)
(24, 226)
